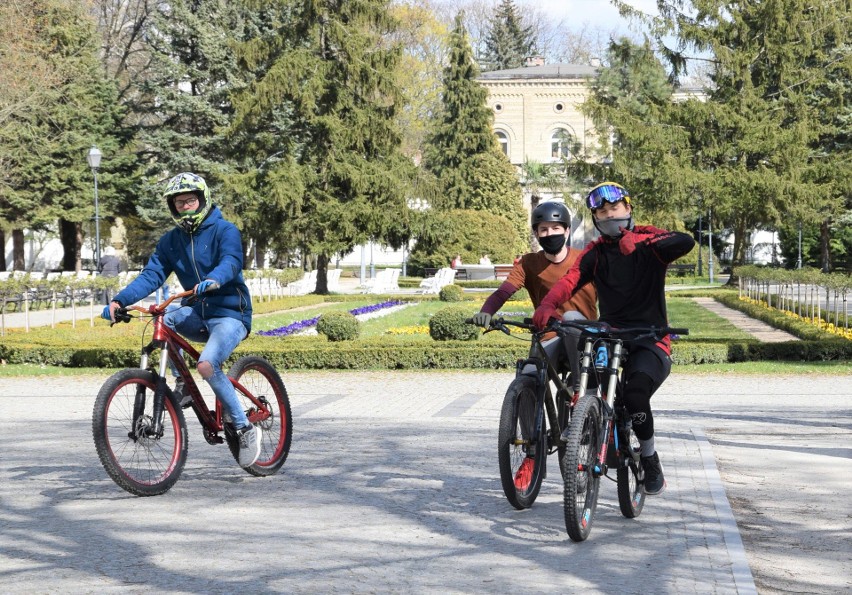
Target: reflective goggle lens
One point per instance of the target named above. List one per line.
(606, 193)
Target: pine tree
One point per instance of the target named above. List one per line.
(764, 145)
(45, 149)
(463, 153)
(509, 42)
(631, 105)
(185, 105)
(342, 177)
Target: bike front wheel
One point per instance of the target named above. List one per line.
(578, 468)
(258, 377)
(139, 457)
(631, 495)
(520, 456)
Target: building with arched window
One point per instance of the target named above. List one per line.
(537, 118)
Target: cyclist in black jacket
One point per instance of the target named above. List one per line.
(628, 267)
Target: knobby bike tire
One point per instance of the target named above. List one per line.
(631, 495)
(261, 379)
(581, 484)
(142, 464)
(514, 448)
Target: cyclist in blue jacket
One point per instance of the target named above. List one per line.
(204, 251)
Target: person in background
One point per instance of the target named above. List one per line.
(628, 265)
(109, 266)
(205, 252)
(457, 262)
(485, 261)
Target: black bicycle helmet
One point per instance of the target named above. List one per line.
(551, 211)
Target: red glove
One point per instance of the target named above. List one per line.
(542, 316)
(627, 243)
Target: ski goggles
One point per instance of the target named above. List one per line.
(606, 192)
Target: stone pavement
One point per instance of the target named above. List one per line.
(391, 486)
(758, 329)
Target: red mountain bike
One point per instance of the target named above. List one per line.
(139, 427)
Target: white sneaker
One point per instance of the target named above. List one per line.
(249, 438)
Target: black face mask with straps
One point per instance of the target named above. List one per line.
(552, 244)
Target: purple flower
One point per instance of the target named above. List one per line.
(295, 327)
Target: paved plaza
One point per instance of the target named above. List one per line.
(392, 486)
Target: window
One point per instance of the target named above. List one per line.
(559, 107)
(503, 139)
(498, 107)
(562, 144)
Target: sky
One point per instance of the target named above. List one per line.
(597, 13)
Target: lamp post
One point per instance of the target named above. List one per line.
(94, 159)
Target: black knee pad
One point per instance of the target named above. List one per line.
(637, 398)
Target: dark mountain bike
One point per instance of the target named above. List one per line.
(600, 435)
(139, 427)
(536, 409)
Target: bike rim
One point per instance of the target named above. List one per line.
(143, 460)
(273, 427)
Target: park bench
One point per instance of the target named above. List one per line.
(501, 271)
(443, 277)
(305, 285)
(681, 270)
(386, 280)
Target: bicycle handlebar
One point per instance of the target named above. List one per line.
(588, 327)
(123, 314)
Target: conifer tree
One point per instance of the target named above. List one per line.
(463, 153)
(508, 42)
(342, 177)
(184, 106)
(44, 150)
(764, 145)
(630, 104)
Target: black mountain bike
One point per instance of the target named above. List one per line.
(536, 409)
(600, 435)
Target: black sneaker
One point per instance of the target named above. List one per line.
(181, 396)
(655, 483)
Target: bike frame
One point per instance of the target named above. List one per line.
(607, 396)
(170, 344)
(546, 402)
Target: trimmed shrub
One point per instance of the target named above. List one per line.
(451, 293)
(449, 325)
(338, 326)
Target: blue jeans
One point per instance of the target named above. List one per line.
(220, 336)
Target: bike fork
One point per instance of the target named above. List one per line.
(600, 465)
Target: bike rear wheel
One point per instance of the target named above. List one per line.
(138, 459)
(631, 495)
(521, 460)
(580, 481)
(259, 378)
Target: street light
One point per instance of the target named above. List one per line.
(94, 159)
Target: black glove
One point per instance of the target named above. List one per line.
(482, 319)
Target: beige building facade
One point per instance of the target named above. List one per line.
(537, 118)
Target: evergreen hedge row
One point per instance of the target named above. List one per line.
(379, 354)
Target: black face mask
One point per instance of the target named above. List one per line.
(552, 244)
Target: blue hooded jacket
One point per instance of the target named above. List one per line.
(213, 251)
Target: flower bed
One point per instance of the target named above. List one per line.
(303, 325)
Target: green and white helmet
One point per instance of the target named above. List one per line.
(184, 183)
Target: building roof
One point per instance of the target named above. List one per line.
(546, 71)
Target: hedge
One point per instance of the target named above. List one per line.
(381, 354)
